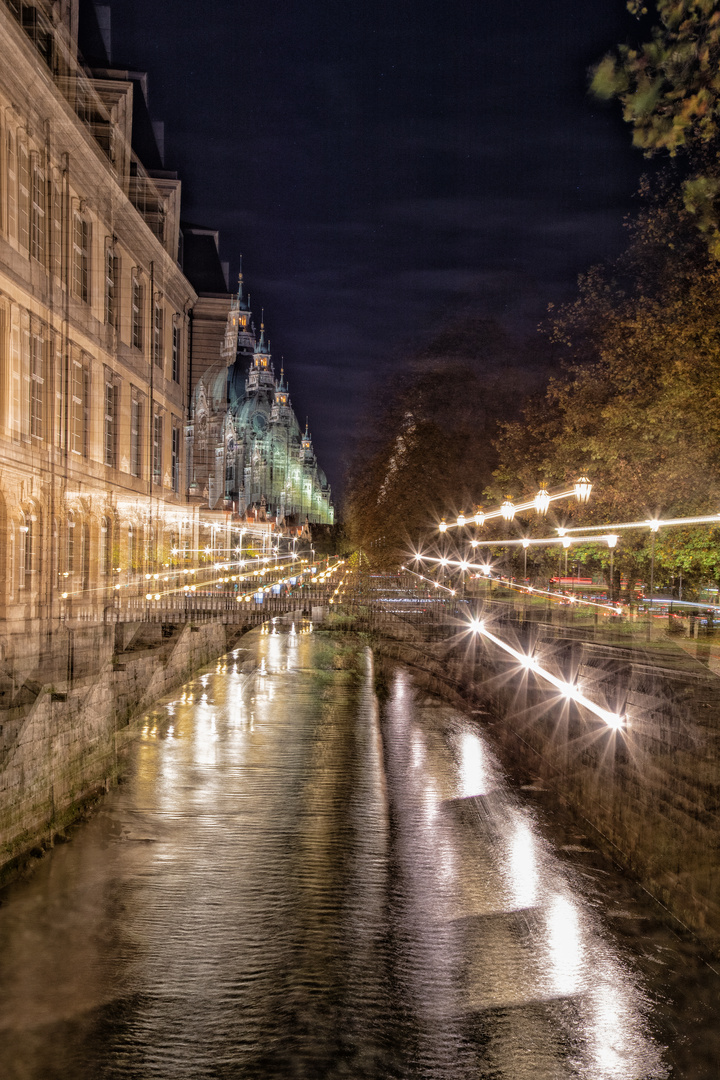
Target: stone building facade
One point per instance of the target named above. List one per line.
(94, 327)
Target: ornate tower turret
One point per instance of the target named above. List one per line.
(306, 445)
(281, 410)
(261, 375)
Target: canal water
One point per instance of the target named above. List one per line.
(293, 881)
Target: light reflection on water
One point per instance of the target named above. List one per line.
(291, 885)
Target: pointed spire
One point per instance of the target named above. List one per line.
(261, 347)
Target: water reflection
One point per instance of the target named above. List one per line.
(291, 884)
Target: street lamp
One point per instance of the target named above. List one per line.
(566, 544)
(654, 526)
(479, 516)
(611, 542)
(508, 509)
(461, 519)
(583, 487)
(542, 499)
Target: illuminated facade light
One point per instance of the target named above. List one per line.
(542, 500)
(583, 487)
(508, 510)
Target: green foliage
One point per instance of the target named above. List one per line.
(669, 88)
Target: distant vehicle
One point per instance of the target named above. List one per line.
(579, 584)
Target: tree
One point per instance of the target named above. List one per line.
(638, 403)
(669, 88)
(427, 446)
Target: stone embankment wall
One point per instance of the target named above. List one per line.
(59, 741)
(652, 790)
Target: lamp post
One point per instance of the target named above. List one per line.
(611, 543)
(654, 526)
(526, 545)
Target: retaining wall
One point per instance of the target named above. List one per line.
(59, 742)
(652, 791)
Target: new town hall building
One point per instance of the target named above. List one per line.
(114, 437)
(246, 451)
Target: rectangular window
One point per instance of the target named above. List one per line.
(11, 185)
(158, 347)
(176, 352)
(136, 436)
(37, 231)
(37, 386)
(111, 273)
(80, 411)
(138, 300)
(81, 258)
(176, 458)
(23, 196)
(55, 238)
(157, 448)
(110, 422)
(59, 394)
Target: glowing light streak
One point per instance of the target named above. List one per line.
(653, 523)
(568, 690)
(518, 508)
(487, 571)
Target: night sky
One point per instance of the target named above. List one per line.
(385, 166)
